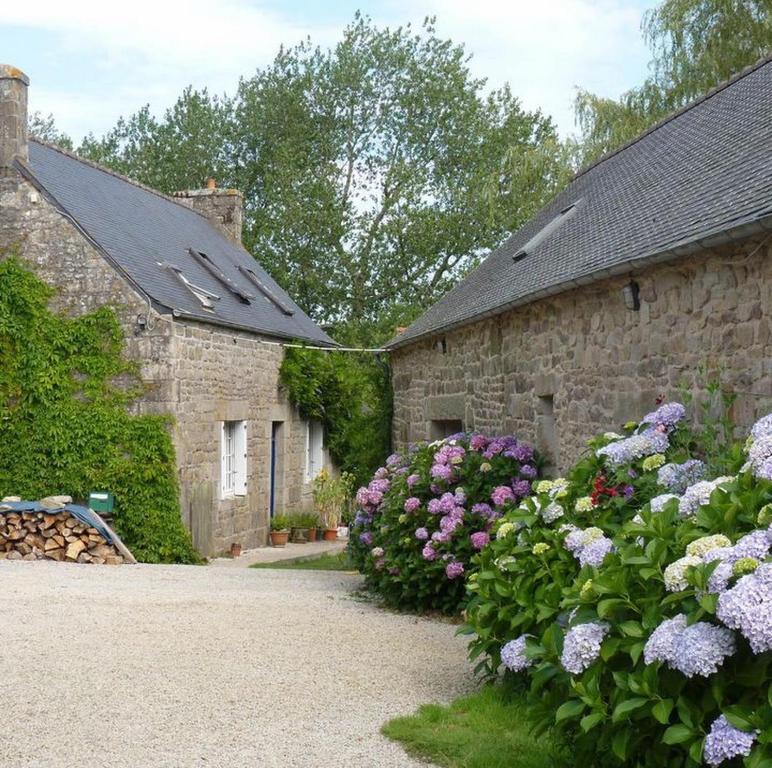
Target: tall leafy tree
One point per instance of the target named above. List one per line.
(365, 168)
(695, 45)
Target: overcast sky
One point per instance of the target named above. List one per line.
(89, 62)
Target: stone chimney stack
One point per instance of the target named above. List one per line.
(13, 118)
(223, 207)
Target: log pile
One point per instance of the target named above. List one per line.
(53, 535)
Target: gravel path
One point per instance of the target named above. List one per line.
(176, 666)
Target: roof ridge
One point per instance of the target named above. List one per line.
(723, 85)
(111, 172)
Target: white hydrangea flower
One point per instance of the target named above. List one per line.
(675, 573)
(704, 545)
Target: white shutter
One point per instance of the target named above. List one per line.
(223, 464)
(241, 459)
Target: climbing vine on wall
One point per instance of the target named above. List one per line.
(350, 393)
(65, 425)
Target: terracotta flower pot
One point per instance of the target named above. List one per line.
(312, 534)
(235, 550)
(330, 534)
(279, 538)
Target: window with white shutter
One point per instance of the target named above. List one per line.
(314, 446)
(233, 462)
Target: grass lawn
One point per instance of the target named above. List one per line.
(478, 731)
(327, 562)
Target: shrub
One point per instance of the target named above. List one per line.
(425, 514)
(65, 425)
(636, 598)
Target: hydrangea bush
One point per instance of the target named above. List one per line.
(425, 514)
(634, 598)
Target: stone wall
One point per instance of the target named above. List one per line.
(582, 362)
(199, 373)
(232, 376)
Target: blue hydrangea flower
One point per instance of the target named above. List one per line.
(699, 649)
(634, 447)
(595, 552)
(747, 607)
(582, 646)
(668, 414)
(698, 495)
(678, 477)
(725, 742)
(513, 655)
(762, 428)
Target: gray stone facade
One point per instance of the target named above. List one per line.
(558, 370)
(201, 374)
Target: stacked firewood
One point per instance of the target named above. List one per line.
(52, 536)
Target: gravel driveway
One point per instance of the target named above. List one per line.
(175, 666)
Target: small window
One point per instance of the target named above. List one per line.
(442, 428)
(314, 446)
(546, 433)
(233, 471)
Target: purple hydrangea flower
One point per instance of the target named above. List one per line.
(582, 646)
(513, 655)
(747, 607)
(480, 539)
(657, 504)
(412, 504)
(698, 495)
(725, 742)
(521, 488)
(762, 428)
(478, 443)
(482, 509)
(501, 495)
(434, 507)
(421, 534)
(454, 570)
(760, 457)
(412, 480)
(366, 538)
(429, 553)
(441, 471)
(529, 471)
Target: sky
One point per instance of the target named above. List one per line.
(90, 62)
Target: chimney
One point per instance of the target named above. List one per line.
(223, 207)
(13, 118)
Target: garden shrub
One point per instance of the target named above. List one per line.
(65, 427)
(635, 597)
(425, 514)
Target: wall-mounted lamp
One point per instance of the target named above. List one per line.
(632, 296)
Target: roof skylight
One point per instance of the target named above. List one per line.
(220, 276)
(547, 230)
(207, 298)
(266, 291)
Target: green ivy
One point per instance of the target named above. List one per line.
(65, 425)
(350, 393)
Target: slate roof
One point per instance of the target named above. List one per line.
(679, 187)
(145, 235)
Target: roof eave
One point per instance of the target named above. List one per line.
(180, 314)
(703, 241)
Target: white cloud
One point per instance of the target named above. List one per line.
(148, 51)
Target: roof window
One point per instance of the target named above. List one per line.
(547, 230)
(220, 276)
(207, 298)
(265, 290)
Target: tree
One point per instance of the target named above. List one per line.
(43, 127)
(177, 152)
(695, 44)
(364, 168)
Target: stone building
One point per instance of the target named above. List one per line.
(653, 262)
(199, 314)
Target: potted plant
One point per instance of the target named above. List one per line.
(330, 497)
(312, 522)
(279, 530)
(298, 529)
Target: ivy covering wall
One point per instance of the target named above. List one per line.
(65, 427)
(350, 394)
